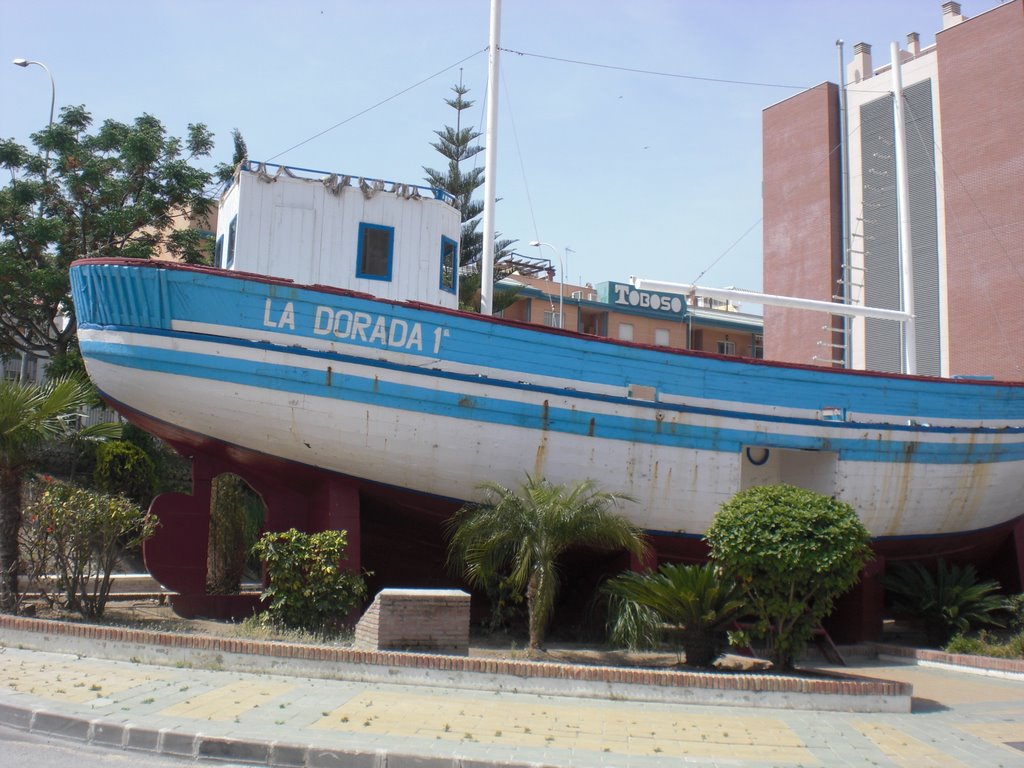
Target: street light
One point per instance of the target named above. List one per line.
(53, 87)
(561, 278)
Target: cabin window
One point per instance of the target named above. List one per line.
(229, 262)
(727, 347)
(449, 264)
(376, 248)
(552, 320)
(218, 254)
(626, 331)
(661, 337)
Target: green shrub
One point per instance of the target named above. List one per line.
(948, 602)
(984, 645)
(696, 600)
(125, 469)
(795, 551)
(308, 589)
(173, 471)
(75, 535)
(1015, 609)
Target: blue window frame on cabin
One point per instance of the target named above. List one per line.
(376, 251)
(449, 264)
(229, 262)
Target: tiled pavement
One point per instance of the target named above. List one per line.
(962, 720)
(958, 719)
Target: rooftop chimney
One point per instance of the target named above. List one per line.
(860, 68)
(914, 44)
(951, 15)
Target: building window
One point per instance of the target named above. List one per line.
(625, 331)
(552, 320)
(449, 264)
(218, 253)
(12, 367)
(661, 338)
(376, 248)
(727, 347)
(232, 230)
(757, 347)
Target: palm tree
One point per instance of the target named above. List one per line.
(526, 532)
(31, 414)
(696, 599)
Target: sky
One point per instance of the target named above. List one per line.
(620, 143)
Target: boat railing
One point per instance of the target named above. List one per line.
(338, 180)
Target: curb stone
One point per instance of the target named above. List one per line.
(217, 748)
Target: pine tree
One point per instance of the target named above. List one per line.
(456, 144)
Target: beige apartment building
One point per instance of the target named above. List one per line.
(620, 311)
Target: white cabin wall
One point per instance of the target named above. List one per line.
(297, 229)
(227, 210)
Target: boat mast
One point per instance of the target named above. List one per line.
(903, 215)
(844, 193)
(490, 162)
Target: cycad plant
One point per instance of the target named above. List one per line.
(523, 534)
(697, 599)
(949, 601)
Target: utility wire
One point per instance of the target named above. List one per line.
(656, 73)
(378, 104)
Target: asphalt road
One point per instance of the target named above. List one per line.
(31, 750)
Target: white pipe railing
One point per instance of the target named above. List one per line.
(738, 294)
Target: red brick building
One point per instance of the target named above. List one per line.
(964, 124)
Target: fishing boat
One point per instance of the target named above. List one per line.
(324, 360)
(295, 384)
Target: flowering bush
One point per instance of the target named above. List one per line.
(71, 539)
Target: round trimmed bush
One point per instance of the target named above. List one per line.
(795, 551)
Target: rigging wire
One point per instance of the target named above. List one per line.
(519, 153)
(378, 104)
(724, 253)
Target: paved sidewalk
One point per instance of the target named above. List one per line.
(958, 720)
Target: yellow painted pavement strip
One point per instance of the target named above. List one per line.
(648, 732)
(999, 734)
(77, 684)
(228, 701)
(905, 750)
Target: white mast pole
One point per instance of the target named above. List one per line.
(490, 162)
(903, 215)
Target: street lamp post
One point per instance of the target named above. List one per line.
(53, 101)
(53, 86)
(561, 278)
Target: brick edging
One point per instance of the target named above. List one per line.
(989, 663)
(518, 668)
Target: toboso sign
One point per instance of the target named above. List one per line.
(628, 296)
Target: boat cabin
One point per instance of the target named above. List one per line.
(389, 239)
